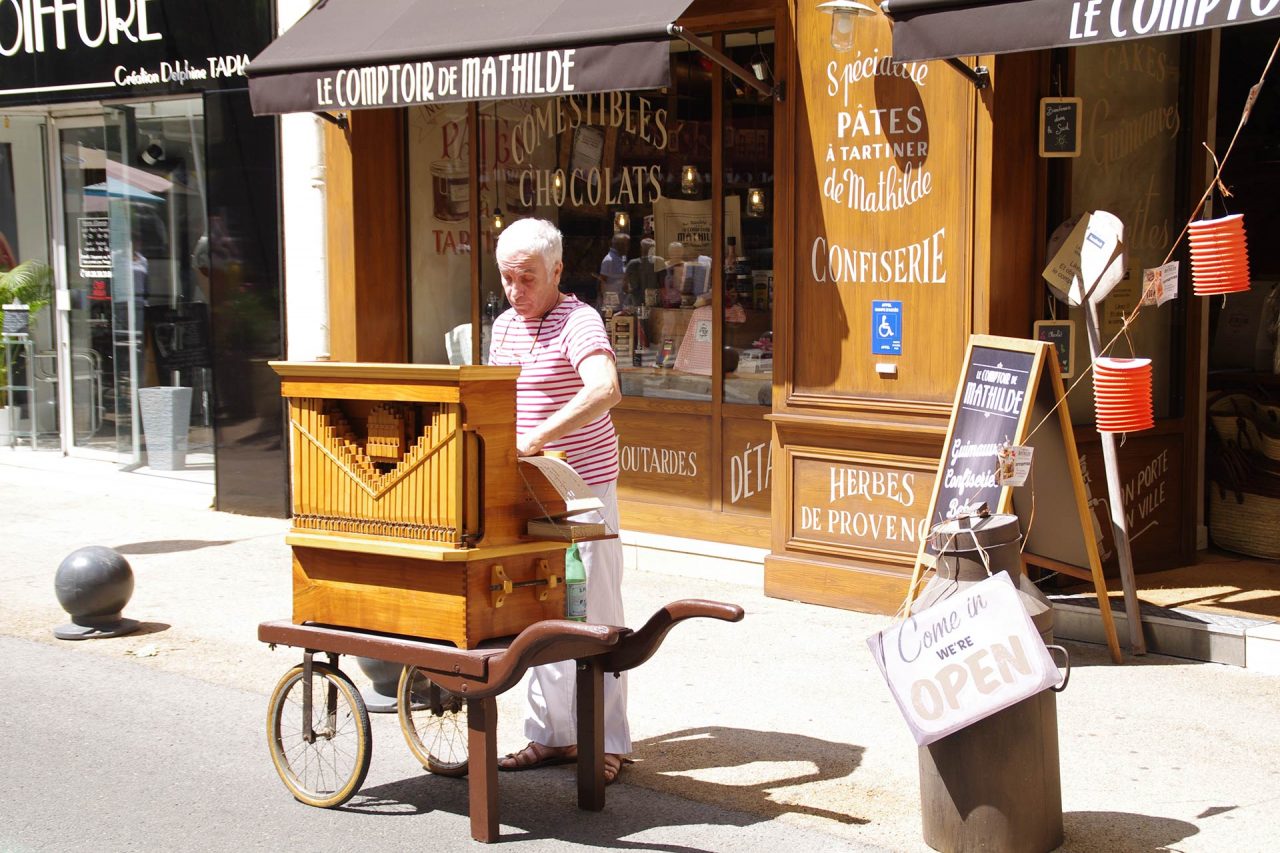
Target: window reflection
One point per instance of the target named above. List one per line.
(748, 260)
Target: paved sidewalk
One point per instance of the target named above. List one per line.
(781, 718)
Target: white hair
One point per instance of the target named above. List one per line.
(531, 237)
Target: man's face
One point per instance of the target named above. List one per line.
(530, 287)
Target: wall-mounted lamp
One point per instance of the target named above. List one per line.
(843, 13)
(759, 65)
(498, 222)
(755, 202)
(621, 222)
(557, 180)
(689, 180)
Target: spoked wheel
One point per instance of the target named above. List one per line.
(434, 722)
(322, 764)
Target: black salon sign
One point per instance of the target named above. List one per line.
(75, 50)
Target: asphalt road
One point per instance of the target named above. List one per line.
(108, 755)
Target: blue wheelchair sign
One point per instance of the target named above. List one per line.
(886, 328)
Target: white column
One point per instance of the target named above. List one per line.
(306, 285)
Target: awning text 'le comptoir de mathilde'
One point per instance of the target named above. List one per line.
(529, 74)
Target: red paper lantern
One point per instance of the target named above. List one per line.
(1122, 394)
(1219, 256)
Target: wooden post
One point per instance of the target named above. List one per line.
(590, 735)
(482, 778)
(1115, 494)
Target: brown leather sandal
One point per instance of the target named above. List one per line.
(537, 755)
(613, 765)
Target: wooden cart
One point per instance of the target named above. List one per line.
(318, 729)
(410, 513)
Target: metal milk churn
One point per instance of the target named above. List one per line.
(994, 785)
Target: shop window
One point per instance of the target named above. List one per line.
(1134, 125)
(665, 199)
(747, 351)
(440, 241)
(627, 178)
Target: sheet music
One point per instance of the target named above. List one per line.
(575, 491)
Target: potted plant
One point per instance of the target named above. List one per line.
(28, 287)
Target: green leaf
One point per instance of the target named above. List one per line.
(30, 282)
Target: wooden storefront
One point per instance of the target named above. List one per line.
(898, 188)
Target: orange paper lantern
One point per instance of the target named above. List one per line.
(1219, 256)
(1122, 394)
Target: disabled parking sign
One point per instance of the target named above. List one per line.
(886, 328)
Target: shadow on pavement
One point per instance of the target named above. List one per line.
(170, 546)
(1123, 832)
(710, 776)
(542, 804)
(742, 768)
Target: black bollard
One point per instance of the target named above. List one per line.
(93, 584)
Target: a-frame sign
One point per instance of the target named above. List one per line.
(1011, 390)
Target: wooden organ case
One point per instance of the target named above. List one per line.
(409, 509)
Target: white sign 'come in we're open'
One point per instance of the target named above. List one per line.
(963, 659)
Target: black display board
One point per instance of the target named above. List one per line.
(1060, 333)
(989, 411)
(1010, 390)
(179, 335)
(1060, 127)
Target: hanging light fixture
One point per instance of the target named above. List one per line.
(759, 65)
(689, 180)
(1219, 256)
(1122, 394)
(621, 222)
(843, 15)
(498, 222)
(755, 202)
(557, 180)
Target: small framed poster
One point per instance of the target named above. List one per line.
(1060, 127)
(1060, 333)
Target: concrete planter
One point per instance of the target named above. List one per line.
(166, 416)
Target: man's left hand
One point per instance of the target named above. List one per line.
(528, 445)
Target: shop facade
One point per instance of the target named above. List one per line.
(131, 164)
(747, 246)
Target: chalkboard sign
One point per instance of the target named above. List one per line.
(1060, 333)
(990, 408)
(179, 335)
(1010, 389)
(1060, 127)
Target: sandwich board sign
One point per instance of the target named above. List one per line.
(1010, 390)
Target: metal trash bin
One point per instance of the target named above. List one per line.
(994, 785)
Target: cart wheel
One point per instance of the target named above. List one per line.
(329, 769)
(434, 722)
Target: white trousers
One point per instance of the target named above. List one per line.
(552, 718)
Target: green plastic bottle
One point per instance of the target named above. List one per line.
(575, 585)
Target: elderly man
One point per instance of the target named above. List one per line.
(568, 383)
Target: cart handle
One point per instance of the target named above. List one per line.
(637, 647)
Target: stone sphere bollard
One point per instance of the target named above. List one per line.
(94, 584)
(381, 697)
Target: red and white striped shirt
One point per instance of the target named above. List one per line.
(549, 350)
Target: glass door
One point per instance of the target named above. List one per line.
(28, 361)
(132, 230)
(106, 286)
